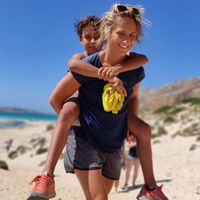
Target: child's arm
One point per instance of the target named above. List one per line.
(82, 67)
(64, 89)
(135, 61)
(79, 66)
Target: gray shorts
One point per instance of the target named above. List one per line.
(132, 157)
(81, 155)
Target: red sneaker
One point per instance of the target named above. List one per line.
(156, 194)
(44, 188)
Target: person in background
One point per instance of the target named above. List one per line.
(123, 165)
(132, 160)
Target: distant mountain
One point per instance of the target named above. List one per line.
(151, 99)
(16, 110)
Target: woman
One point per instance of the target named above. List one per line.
(93, 150)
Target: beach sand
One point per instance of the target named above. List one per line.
(175, 166)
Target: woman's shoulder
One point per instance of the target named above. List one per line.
(92, 56)
(93, 59)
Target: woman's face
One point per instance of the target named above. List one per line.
(123, 36)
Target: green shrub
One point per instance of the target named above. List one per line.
(163, 109)
(193, 147)
(169, 119)
(38, 142)
(175, 111)
(22, 149)
(192, 100)
(154, 135)
(177, 133)
(3, 165)
(198, 139)
(192, 130)
(156, 141)
(42, 163)
(161, 131)
(41, 150)
(13, 154)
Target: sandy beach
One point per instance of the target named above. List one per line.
(175, 165)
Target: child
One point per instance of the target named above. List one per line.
(87, 30)
(96, 154)
(123, 165)
(131, 160)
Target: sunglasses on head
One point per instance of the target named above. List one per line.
(123, 8)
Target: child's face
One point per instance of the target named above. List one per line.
(123, 36)
(89, 38)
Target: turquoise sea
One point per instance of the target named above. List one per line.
(13, 119)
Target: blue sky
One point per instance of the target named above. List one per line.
(37, 37)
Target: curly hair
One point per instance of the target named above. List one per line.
(88, 20)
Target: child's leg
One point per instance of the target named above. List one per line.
(127, 173)
(92, 184)
(67, 116)
(116, 185)
(136, 164)
(44, 184)
(142, 132)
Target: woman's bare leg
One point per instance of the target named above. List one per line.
(92, 184)
(108, 183)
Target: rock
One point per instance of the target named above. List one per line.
(50, 127)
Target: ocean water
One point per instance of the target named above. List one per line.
(9, 119)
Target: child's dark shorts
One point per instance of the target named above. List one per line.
(83, 156)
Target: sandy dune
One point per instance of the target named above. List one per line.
(175, 166)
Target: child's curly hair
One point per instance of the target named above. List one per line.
(89, 20)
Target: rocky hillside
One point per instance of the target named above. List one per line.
(182, 119)
(152, 99)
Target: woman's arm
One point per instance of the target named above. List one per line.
(64, 89)
(135, 61)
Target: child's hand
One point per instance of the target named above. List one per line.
(118, 85)
(108, 71)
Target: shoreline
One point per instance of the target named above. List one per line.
(14, 116)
